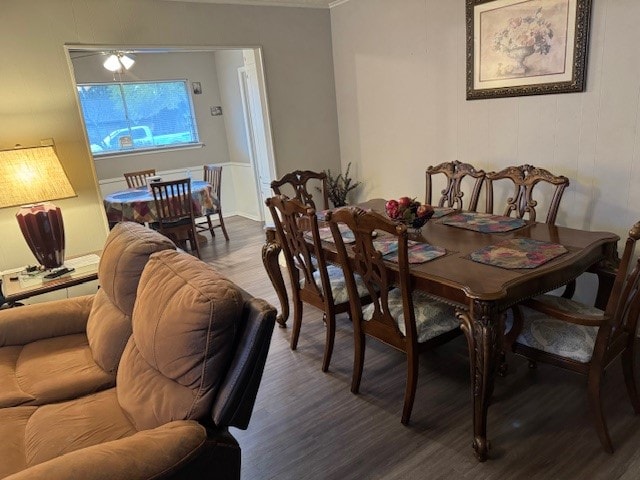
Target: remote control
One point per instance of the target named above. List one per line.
(59, 273)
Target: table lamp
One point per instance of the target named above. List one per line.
(33, 176)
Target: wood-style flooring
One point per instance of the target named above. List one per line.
(308, 425)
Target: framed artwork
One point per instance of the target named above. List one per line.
(526, 47)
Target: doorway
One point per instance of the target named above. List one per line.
(247, 154)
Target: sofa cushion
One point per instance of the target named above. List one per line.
(68, 372)
(125, 254)
(32, 435)
(184, 324)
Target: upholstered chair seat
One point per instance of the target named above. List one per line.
(568, 340)
(339, 284)
(433, 318)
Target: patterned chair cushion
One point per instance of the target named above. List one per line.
(433, 318)
(555, 336)
(338, 284)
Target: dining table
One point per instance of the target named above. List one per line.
(490, 263)
(138, 205)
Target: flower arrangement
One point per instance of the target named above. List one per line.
(409, 211)
(531, 32)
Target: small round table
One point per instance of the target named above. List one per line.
(137, 204)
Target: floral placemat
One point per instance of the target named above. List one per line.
(483, 222)
(418, 252)
(322, 215)
(518, 253)
(327, 236)
(442, 211)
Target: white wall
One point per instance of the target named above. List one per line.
(400, 89)
(227, 64)
(37, 99)
(400, 76)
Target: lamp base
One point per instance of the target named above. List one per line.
(43, 231)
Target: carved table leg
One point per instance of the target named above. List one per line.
(270, 252)
(480, 326)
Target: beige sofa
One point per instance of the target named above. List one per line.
(60, 350)
(190, 369)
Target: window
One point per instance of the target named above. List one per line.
(134, 116)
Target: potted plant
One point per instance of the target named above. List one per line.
(339, 187)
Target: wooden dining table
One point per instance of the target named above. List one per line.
(481, 293)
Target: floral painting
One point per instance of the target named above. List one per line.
(525, 47)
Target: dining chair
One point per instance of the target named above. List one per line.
(138, 179)
(313, 280)
(524, 178)
(297, 185)
(403, 318)
(174, 207)
(583, 339)
(213, 176)
(452, 195)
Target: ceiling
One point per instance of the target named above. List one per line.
(274, 3)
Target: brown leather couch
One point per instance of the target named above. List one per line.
(64, 349)
(190, 369)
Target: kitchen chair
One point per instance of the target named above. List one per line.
(174, 207)
(524, 178)
(404, 319)
(583, 339)
(138, 179)
(298, 182)
(313, 281)
(213, 176)
(452, 194)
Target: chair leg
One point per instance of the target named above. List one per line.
(330, 321)
(193, 238)
(297, 322)
(628, 368)
(224, 229)
(412, 383)
(213, 233)
(358, 360)
(595, 405)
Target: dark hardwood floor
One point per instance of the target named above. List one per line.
(308, 425)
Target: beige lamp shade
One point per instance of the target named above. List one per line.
(32, 175)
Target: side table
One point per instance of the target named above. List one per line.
(15, 288)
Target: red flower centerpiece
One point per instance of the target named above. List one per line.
(409, 211)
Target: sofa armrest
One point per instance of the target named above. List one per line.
(156, 453)
(22, 325)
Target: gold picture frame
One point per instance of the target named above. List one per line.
(526, 47)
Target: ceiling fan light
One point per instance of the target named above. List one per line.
(112, 63)
(127, 61)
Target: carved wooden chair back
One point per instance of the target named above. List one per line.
(300, 182)
(174, 208)
(312, 280)
(396, 316)
(452, 195)
(524, 179)
(572, 324)
(138, 179)
(213, 176)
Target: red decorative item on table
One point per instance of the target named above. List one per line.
(409, 211)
